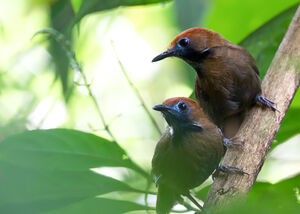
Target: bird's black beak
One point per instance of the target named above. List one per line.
(162, 108)
(169, 113)
(167, 53)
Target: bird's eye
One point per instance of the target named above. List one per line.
(182, 106)
(184, 42)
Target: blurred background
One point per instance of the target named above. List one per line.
(38, 89)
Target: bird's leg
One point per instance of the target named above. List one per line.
(228, 169)
(266, 102)
(230, 142)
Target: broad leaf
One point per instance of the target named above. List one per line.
(76, 5)
(99, 205)
(91, 6)
(275, 198)
(62, 149)
(267, 198)
(34, 191)
(264, 42)
(290, 125)
(45, 169)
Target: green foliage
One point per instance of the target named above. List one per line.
(64, 15)
(267, 198)
(264, 41)
(50, 169)
(290, 125)
(275, 198)
(76, 5)
(99, 205)
(91, 6)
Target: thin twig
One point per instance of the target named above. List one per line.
(65, 45)
(135, 90)
(76, 67)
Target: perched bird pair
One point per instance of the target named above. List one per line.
(227, 86)
(227, 81)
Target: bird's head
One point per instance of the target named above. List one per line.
(192, 44)
(181, 113)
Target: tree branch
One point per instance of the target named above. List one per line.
(261, 125)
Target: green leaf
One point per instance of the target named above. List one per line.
(202, 193)
(264, 42)
(35, 191)
(290, 125)
(62, 149)
(91, 6)
(76, 5)
(100, 205)
(266, 198)
(46, 169)
(275, 198)
(190, 13)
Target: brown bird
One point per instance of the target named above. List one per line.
(227, 81)
(186, 154)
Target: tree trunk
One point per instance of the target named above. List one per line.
(261, 125)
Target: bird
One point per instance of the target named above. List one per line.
(227, 81)
(187, 153)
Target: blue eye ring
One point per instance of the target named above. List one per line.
(184, 42)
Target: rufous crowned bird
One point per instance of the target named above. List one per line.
(187, 153)
(227, 82)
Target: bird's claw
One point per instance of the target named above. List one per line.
(228, 169)
(266, 102)
(231, 169)
(230, 142)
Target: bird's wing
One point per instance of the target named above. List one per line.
(233, 54)
(240, 66)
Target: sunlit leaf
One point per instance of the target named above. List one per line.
(76, 5)
(264, 42)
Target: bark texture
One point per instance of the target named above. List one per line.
(261, 125)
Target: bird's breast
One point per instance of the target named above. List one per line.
(190, 163)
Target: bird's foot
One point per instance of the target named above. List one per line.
(230, 142)
(227, 169)
(266, 102)
(231, 169)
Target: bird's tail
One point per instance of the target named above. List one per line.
(166, 198)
